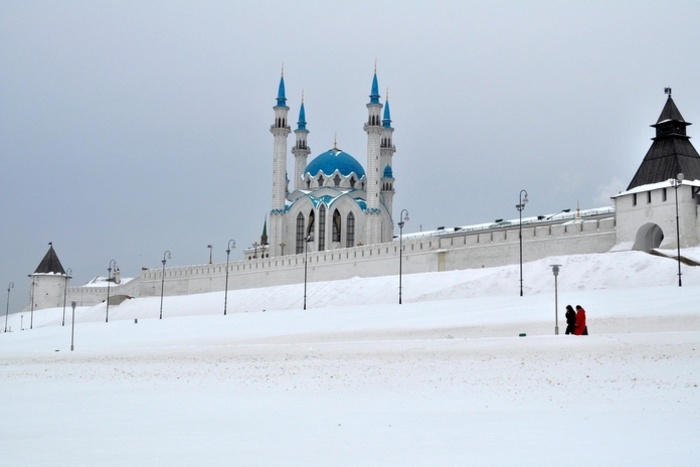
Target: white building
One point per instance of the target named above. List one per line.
(334, 203)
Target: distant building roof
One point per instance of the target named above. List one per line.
(50, 264)
(670, 153)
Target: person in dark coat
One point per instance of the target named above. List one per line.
(570, 319)
(580, 329)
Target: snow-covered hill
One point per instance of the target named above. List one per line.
(357, 379)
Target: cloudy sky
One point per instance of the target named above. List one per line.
(133, 127)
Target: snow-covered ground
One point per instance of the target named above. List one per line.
(357, 379)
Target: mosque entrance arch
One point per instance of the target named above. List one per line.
(649, 236)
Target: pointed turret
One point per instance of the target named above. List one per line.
(386, 158)
(281, 98)
(374, 130)
(671, 152)
(280, 130)
(50, 264)
(48, 284)
(301, 150)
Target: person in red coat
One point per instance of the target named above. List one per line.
(580, 329)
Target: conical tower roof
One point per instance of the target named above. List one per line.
(670, 153)
(50, 264)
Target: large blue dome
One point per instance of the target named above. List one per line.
(333, 160)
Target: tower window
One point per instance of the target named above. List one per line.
(320, 180)
(336, 180)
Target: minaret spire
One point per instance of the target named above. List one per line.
(301, 149)
(385, 165)
(373, 128)
(280, 130)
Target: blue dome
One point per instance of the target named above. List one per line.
(333, 160)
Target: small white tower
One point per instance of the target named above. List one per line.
(301, 149)
(374, 130)
(48, 283)
(280, 130)
(385, 164)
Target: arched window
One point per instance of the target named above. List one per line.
(336, 226)
(352, 182)
(320, 180)
(350, 238)
(336, 180)
(322, 228)
(300, 234)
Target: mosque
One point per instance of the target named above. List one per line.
(334, 202)
(336, 221)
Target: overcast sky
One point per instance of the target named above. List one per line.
(128, 128)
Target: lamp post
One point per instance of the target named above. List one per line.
(309, 238)
(166, 257)
(109, 283)
(211, 247)
(520, 206)
(31, 304)
(10, 286)
(555, 271)
(403, 217)
(69, 271)
(676, 182)
(231, 245)
(72, 327)
(282, 245)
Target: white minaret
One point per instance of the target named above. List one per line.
(373, 127)
(280, 130)
(385, 165)
(301, 149)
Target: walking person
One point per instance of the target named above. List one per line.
(580, 329)
(570, 319)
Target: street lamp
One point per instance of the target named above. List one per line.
(676, 182)
(210, 250)
(69, 271)
(520, 206)
(555, 271)
(31, 306)
(166, 257)
(309, 238)
(403, 217)
(282, 245)
(231, 245)
(72, 327)
(109, 283)
(10, 286)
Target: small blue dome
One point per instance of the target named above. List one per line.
(333, 160)
(387, 172)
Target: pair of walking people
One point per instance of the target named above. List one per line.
(576, 321)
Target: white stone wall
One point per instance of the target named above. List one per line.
(449, 251)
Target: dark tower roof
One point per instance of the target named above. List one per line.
(50, 264)
(671, 152)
